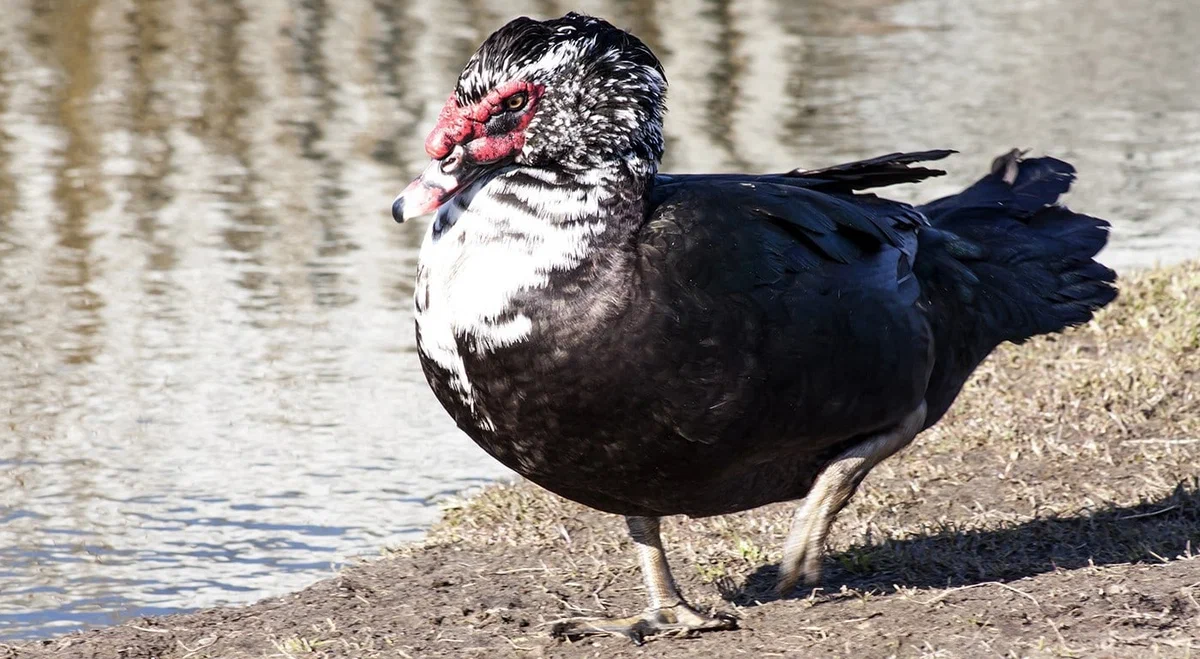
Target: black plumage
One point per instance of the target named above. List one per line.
(705, 344)
(773, 321)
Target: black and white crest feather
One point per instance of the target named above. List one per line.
(525, 45)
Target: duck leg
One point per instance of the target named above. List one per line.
(805, 545)
(667, 612)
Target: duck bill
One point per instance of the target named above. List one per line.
(426, 194)
(440, 181)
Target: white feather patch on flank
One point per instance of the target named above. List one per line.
(482, 251)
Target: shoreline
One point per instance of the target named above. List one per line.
(1053, 512)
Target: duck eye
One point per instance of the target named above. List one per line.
(515, 102)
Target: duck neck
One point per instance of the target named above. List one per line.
(526, 240)
(613, 197)
(562, 218)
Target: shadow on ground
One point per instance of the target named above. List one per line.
(1151, 532)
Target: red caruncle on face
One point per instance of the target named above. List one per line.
(466, 125)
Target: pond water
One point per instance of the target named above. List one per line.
(207, 369)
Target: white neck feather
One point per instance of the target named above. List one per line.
(505, 235)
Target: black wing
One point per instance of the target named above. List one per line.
(787, 286)
(767, 233)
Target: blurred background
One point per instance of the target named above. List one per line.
(208, 385)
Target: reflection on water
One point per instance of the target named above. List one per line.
(206, 355)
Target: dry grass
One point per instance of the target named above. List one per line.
(1052, 513)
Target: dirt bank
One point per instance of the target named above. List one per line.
(1053, 513)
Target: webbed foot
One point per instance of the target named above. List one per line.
(680, 620)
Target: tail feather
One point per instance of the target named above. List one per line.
(1002, 261)
(1022, 186)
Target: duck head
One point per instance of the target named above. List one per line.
(573, 95)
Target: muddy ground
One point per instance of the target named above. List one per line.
(1055, 512)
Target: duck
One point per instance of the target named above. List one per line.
(651, 344)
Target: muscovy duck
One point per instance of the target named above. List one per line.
(654, 345)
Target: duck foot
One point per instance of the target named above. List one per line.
(679, 620)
